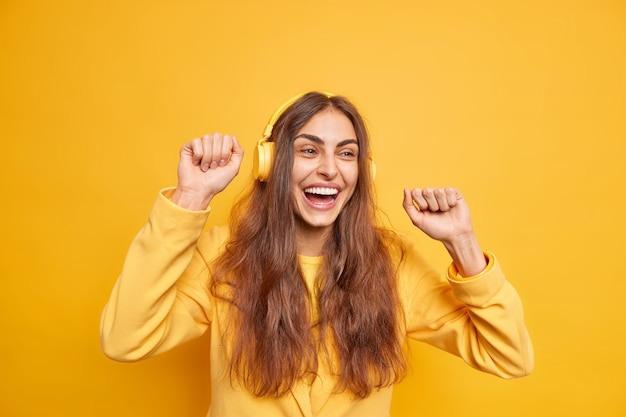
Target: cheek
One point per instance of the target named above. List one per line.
(296, 172)
(351, 174)
(301, 169)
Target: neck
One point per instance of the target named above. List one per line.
(311, 240)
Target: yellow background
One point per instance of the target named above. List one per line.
(519, 104)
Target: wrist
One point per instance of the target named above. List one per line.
(190, 199)
(466, 254)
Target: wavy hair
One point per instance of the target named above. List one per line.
(274, 343)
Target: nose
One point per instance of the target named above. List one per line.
(327, 166)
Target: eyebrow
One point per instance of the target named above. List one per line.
(319, 140)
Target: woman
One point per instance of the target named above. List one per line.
(308, 301)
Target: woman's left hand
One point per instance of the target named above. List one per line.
(443, 214)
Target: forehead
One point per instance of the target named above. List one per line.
(330, 125)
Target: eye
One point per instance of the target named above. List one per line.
(348, 153)
(308, 151)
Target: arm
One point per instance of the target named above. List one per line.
(161, 297)
(476, 314)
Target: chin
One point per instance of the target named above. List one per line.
(315, 222)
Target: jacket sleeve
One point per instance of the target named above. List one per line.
(477, 318)
(161, 297)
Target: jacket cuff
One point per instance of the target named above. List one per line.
(454, 274)
(169, 217)
(165, 197)
(478, 289)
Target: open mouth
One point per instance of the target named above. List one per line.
(321, 195)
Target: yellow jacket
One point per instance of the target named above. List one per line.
(162, 299)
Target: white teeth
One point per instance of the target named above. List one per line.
(321, 190)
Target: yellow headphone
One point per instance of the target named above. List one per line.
(264, 150)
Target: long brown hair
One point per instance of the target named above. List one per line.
(258, 274)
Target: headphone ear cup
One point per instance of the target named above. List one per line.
(262, 161)
(372, 170)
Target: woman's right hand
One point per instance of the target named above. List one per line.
(207, 165)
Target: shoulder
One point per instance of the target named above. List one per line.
(411, 267)
(213, 241)
(402, 248)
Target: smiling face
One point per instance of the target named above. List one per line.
(325, 172)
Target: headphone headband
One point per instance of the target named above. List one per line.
(279, 111)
